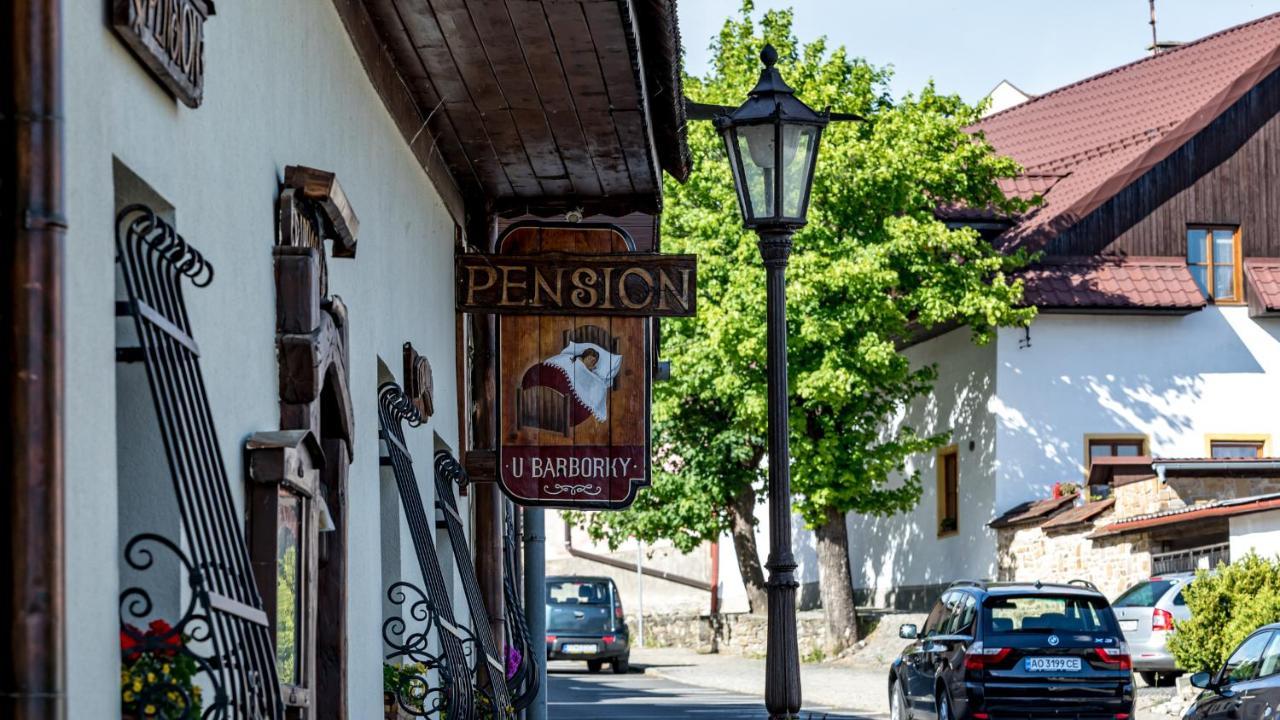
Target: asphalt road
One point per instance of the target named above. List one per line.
(576, 694)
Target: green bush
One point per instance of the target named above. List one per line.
(1226, 605)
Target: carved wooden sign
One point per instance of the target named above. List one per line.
(168, 37)
(418, 383)
(559, 283)
(573, 390)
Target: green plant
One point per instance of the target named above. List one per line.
(157, 676)
(874, 267)
(405, 681)
(816, 655)
(1226, 605)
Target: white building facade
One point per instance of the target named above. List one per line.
(1155, 349)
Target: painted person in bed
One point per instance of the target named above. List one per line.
(590, 358)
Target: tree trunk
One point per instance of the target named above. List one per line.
(743, 511)
(836, 584)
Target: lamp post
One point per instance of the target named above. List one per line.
(772, 141)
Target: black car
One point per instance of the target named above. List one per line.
(1247, 686)
(585, 622)
(991, 651)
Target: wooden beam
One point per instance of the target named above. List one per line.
(401, 105)
(323, 188)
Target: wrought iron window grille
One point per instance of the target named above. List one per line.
(471, 678)
(525, 679)
(223, 627)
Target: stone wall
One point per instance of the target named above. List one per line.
(740, 633)
(1111, 563)
(1148, 496)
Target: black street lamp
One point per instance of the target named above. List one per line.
(772, 140)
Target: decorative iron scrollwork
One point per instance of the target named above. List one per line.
(408, 638)
(525, 679)
(170, 643)
(227, 613)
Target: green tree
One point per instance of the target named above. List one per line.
(873, 268)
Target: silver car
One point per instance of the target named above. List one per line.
(1147, 612)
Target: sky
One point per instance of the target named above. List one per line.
(969, 47)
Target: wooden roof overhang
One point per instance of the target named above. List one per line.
(531, 106)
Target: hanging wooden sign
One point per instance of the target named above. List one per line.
(168, 37)
(578, 284)
(573, 391)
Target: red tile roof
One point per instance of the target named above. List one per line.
(1191, 513)
(1263, 276)
(1102, 133)
(1078, 515)
(1132, 283)
(1032, 511)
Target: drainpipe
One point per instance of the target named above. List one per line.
(32, 605)
(624, 565)
(535, 604)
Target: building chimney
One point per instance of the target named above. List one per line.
(1157, 46)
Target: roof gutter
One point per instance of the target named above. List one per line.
(624, 565)
(1162, 466)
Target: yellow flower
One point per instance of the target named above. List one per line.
(128, 696)
(137, 686)
(150, 710)
(165, 668)
(151, 677)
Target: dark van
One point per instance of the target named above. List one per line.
(991, 651)
(585, 622)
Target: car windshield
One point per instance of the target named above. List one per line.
(1145, 594)
(1046, 613)
(578, 592)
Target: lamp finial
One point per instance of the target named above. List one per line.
(769, 56)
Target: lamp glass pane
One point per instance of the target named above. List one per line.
(288, 602)
(755, 146)
(798, 142)
(732, 149)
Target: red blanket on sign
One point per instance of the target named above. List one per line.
(554, 377)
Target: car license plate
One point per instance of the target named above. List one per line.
(571, 649)
(1053, 664)
(1128, 625)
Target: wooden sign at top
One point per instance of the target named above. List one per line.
(167, 36)
(562, 283)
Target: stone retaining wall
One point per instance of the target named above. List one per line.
(741, 633)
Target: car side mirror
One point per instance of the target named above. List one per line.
(1202, 680)
(908, 631)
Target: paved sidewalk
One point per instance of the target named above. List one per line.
(860, 689)
(821, 684)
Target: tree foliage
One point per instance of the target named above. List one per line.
(872, 267)
(1226, 605)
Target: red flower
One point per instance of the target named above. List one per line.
(129, 641)
(164, 631)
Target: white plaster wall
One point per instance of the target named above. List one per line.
(1258, 533)
(283, 86)
(1174, 379)
(903, 550)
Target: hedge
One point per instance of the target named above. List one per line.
(1226, 605)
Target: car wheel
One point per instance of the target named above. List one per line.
(944, 705)
(1149, 677)
(621, 665)
(594, 665)
(897, 703)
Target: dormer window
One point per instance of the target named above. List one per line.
(1213, 256)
